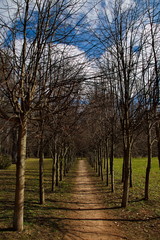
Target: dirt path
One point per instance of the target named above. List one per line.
(86, 217)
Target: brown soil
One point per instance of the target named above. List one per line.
(86, 216)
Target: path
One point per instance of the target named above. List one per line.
(86, 217)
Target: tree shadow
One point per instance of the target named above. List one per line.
(136, 200)
(7, 229)
(108, 219)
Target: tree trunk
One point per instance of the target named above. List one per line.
(41, 175)
(148, 163)
(127, 154)
(57, 169)
(20, 176)
(60, 169)
(107, 165)
(101, 163)
(53, 172)
(158, 141)
(104, 157)
(130, 167)
(65, 165)
(68, 161)
(96, 161)
(123, 172)
(126, 177)
(14, 144)
(112, 165)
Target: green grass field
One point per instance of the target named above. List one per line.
(138, 176)
(141, 219)
(39, 221)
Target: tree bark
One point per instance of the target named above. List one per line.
(57, 169)
(130, 175)
(127, 154)
(148, 169)
(126, 177)
(41, 175)
(14, 144)
(53, 170)
(20, 176)
(127, 151)
(104, 157)
(96, 161)
(61, 168)
(65, 165)
(123, 172)
(107, 165)
(112, 164)
(101, 162)
(158, 141)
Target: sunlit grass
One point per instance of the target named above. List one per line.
(137, 204)
(141, 217)
(35, 215)
(40, 221)
(138, 177)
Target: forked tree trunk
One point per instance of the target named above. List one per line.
(20, 176)
(148, 169)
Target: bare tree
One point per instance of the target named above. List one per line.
(25, 37)
(121, 28)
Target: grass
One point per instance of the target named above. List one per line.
(141, 218)
(40, 221)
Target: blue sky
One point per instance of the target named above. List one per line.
(85, 18)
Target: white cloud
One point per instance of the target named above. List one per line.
(95, 9)
(119, 4)
(73, 57)
(7, 10)
(88, 10)
(61, 54)
(142, 69)
(126, 4)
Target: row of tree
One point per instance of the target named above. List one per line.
(53, 105)
(126, 91)
(40, 81)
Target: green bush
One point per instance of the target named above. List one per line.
(5, 161)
